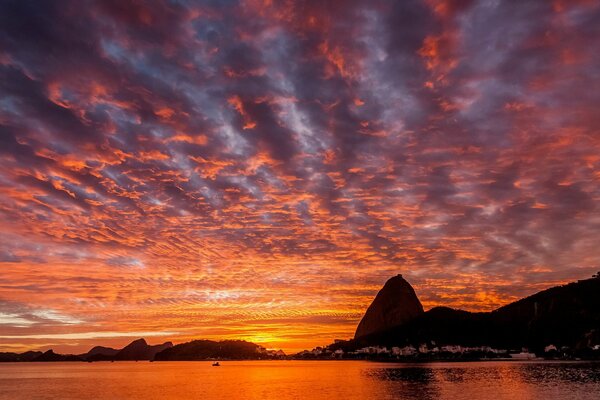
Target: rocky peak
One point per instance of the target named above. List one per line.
(395, 304)
(138, 343)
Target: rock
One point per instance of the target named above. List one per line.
(395, 304)
(563, 316)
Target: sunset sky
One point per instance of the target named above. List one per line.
(258, 169)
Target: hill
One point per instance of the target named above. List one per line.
(51, 356)
(141, 350)
(208, 349)
(395, 304)
(19, 357)
(566, 315)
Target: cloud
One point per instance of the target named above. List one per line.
(124, 261)
(9, 257)
(90, 335)
(14, 320)
(294, 153)
(20, 315)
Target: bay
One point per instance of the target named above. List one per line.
(286, 380)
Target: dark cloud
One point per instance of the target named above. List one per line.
(9, 257)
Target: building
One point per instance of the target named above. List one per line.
(404, 351)
(373, 350)
(452, 349)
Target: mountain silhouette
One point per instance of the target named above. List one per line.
(208, 349)
(140, 350)
(395, 304)
(101, 350)
(17, 357)
(567, 315)
(50, 356)
(137, 350)
(100, 353)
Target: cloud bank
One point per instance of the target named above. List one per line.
(258, 169)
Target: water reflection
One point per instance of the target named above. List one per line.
(453, 375)
(410, 383)
(290, 380)
(497, 380)
(565, 373)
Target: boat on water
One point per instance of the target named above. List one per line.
(216, 364)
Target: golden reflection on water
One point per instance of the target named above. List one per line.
(286, 380)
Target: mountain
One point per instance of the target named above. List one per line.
(16, 357)
(140, 350)
(395, 304)
(105, 351)
(567, 315)
(563, 315)
(50, 355)
(136, 350)
(208, 349)
(100, 353)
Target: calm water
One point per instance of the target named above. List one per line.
(284, 380)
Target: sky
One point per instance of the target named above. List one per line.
(178, 170)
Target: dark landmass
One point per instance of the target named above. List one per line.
(51, 356)
(100, 351)
(563, 321)
(208, 350)
(395, 304)
(566, 315)
(38, 356)
(18, 357)
(140, 350)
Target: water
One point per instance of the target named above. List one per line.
(285, 380)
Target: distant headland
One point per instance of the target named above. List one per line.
(562, 322)
(140, 350)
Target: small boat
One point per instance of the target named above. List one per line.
(216, 364)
